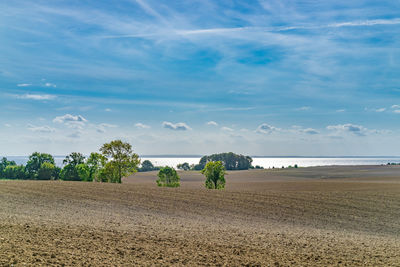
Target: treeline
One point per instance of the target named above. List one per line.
(230, 160)
(115, 160)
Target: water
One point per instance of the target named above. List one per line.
(266, 162)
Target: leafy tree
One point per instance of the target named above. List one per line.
(123, 161)
(70, 172)
(46, 171)
(3, 165)
(13, 171)
(95, 162)
(230, 160)
(83, 171)
(215, 175)
(184, 166)
(168, 177)
(35, 162)
(146, 166)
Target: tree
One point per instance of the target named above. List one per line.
(95, 162)
(168, 177)
(14, 172)
(184, 166)
(35, 162)
(146, 166)
(83, 171)
(3, 165)
(123, 161)
(46, 171)
(215, 175)
(230, 160)
(70, 172)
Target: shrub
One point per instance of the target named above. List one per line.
(215, 175)
(168, 177)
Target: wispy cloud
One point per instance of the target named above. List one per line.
(266, 128)
(180, 126)
(226, 129)
(304, 108)
(37, 96)
(101, 128)
(40, 129)
(24, 84)
(350, 128)
(212, 123)
(140, 125)
(50, 85)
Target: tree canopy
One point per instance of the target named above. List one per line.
(122, 160)
(214, 171)
(168, 177)
(230, 160)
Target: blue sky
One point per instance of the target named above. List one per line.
(198, 77)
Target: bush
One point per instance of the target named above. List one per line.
(168, 177)
(14, 172)
(215, 175)
(230, 160)
(46, 171)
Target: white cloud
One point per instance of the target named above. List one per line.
(180, 126)
(348, 127)
(37, 96)
(75, 134)
(212, 123)
(50, 85)
(341, 110)
(101, 128)
(266, 128)
(107, 110)
(40, 129)
(310, 131)
(227, 129)
(23, 84)
(380, 109)
(7, 125)
(395, 106)
(142, 126)
(69, 118)
(396, 111)
(304, 108)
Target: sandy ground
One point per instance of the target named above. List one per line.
(322, 216)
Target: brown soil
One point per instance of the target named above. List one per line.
(341, 216)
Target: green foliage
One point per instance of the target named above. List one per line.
(122, 160)
(4, 163)
(148, 166)
(215, 175)
(95, 162)
(70, 171)
(46, 171)
(83, 171)
(35, 162)
(74, 159)
(184, 166)
(230, 160)
(14, 172)
(168, 177)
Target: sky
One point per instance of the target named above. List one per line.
(262, 77)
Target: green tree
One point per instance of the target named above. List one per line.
(95, 162)
(230, 160)
(147, 166)
(184, 166)
(69, 171)
(122, 160)
(14, 172)
(46, 171)
(3, 165)
(83, 171)
(35, 162)
(215, 175)
(168, 177)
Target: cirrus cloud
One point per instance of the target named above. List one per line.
(180, 126)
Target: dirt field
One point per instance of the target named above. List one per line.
(341, 216)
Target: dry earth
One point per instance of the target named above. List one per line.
(340, 216)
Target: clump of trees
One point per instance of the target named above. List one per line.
(230, 160)
(184, 166)
(214, 171)
(115, 161)
(168, 177)
(147, 166)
